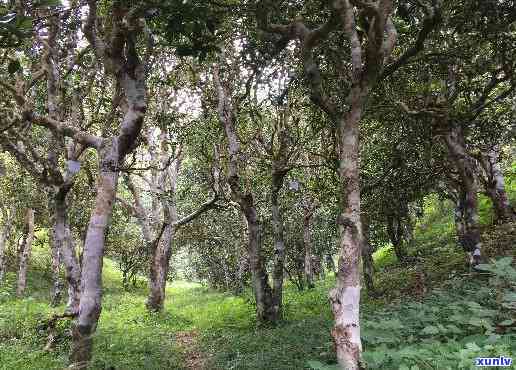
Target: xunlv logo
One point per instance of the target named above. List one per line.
(493, 361)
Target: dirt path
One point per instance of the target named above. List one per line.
(194, 359)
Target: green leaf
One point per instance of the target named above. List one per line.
(472, 346)
(504, 262)
(506, 322)
(431, 330)
(453, 329)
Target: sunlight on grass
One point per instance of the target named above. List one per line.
(439, 329)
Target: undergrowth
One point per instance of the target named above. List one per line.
(460, 317)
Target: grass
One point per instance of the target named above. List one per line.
(455, 322)
(128, 337)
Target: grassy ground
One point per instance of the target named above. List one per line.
(452, 324)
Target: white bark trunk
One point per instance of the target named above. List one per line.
(92, 258)
(470, 236)
(345, 297)
(495, 185)
(123, 62)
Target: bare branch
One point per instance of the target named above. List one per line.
(61, 128)
(206, 206)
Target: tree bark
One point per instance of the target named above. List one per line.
(63, 243)
(7, 218)
(25, 252)
(494, 184)
(469, 237)
(345, 297)
(56, 292)
(160, 261)
(265, 310)
(92, 260)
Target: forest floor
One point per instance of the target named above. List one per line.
(455, 321)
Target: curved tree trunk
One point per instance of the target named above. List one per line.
(495, 185)
(469, 237)
(122, 61)
(162, 250)
(111, 152)
(92, 261)
(25, 252)
(262, 291)
(7, 218)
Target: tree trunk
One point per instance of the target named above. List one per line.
(469, 239)
(24, 254)
(162, 252)
(7, 218)
(63, 242)
(262, 290)
(56, 279)
(159, 270)
(307, 243)
(92, 259)
(265, 311)
(111, 154)
(279, 245)
(395, 231)
(345, 297)
(495, 186)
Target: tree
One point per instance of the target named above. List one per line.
(367, 60)
(24, 252)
